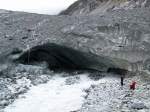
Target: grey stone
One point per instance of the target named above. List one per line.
(138, 105)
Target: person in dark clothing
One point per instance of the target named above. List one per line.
(121, 72)
(122, 78)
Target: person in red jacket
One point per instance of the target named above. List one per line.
(133, 85)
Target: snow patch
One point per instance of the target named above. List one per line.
(54, 96)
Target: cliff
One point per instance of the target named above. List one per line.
(86, 7)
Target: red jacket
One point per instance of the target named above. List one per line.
(132, 85)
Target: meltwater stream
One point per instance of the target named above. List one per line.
(60, 94)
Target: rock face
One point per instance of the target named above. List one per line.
(84, 7)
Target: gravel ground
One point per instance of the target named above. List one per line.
(106, 96)
(111, 97)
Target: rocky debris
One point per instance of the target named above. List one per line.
(102, 97)
(72, 80)
(18, 80)
(110, 96)
(97, 75)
